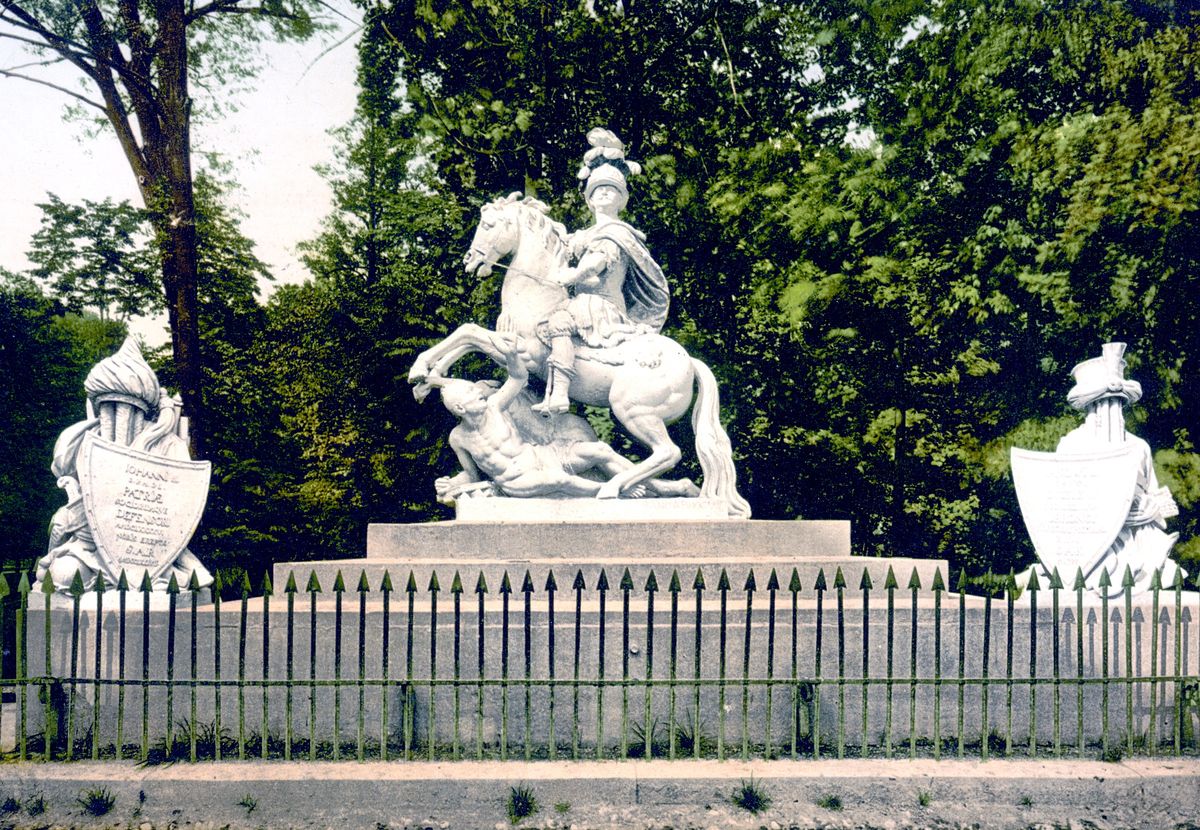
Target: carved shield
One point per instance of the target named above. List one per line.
(1074, 504)
(142, 508)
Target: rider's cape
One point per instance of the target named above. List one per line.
(647, 297)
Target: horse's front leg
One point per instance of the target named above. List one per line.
(467, 338)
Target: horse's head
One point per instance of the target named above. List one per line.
(496, 235)
(499, 231)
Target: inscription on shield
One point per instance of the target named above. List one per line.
(142, 508)
(1074, 504)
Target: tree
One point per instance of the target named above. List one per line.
(137, 61)
(1025, 198)
(45, 354)
(94, 255)
(241, 514)
(354, 445)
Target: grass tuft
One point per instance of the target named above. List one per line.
(36, 805)
(830, 801)
(97, 802)
(521, 803)
(752, 797)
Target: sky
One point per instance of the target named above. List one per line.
(278, 134)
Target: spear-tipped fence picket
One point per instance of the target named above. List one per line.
(804, 672)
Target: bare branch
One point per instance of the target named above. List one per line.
(75, 53)
(232, 7)
(35, 64)
(329, 49)
(737, 99)
(81, 55)
(82, 98)
(209, 8)
(107, 51)
(14, 15)
(338, 12)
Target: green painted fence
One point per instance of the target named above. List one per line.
(694, 667)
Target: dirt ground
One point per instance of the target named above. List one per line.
(830, 795)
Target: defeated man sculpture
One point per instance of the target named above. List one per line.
(490, 447)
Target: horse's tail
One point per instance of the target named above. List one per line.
(713, 447)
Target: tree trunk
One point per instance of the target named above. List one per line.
(175, 213)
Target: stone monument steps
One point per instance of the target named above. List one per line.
(565, 572)
(633, 540)
(574, 540)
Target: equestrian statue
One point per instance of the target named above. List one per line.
(582, 311)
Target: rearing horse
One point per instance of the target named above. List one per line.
(646, 380)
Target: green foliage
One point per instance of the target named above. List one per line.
(521, 803)
(687, 734)
(240, 415)
(45, 354)
(97, 801)
(1020, 199)
(97, 256)
(248, 803)
(655, 734)
(830, 801)
(35, 805)
(336, 439)
(752, 797)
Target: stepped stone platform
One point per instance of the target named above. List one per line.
(493, 537)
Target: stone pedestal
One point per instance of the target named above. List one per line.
(587, 537)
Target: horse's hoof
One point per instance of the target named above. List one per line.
(421, 391)
(547, 409)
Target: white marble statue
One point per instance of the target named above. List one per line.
(1095, 503)
(134, 497)
(618, 288)
(494, 450)
(584, 312)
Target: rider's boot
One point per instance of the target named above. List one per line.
(558, 384)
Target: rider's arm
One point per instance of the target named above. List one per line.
(598, 257)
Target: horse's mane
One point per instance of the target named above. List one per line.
(533, 214)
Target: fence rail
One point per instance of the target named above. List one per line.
(686, 669)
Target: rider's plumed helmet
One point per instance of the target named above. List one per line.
(605, 164)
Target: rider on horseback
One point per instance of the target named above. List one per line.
(619, 290)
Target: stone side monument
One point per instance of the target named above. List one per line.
(1095, 503)
(134, 496)
(582, 311)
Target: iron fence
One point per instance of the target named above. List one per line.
(531, 669)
